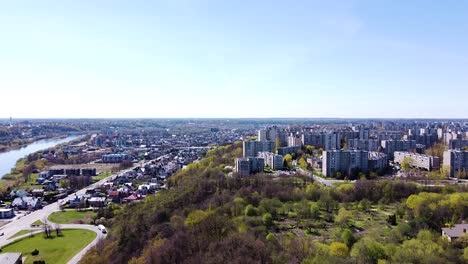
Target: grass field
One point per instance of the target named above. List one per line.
(37, 223)
(22, 232)
(72, 217)
(53, 250)
(102, 176)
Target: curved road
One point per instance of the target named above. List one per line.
(24, 222)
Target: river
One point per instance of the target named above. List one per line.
(8, 159)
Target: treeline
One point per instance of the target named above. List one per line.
(208, 217)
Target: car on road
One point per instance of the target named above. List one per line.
(102, 229)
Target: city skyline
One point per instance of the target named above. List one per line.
(209, 59)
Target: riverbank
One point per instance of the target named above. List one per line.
(21, 143)
(19, 172)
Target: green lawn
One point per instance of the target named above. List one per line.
(22, 232)
(53, 250)
(72, 217)
(101, 176)
(37, 223)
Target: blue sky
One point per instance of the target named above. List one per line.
(181, 58)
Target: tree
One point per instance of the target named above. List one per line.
(343, 217)
(348, 238)
(338, 249)
(58, 230)
(46, 228)
(287, 161)
(419, 250)
(327, 203)
(309, 149)
(267, 220)
(436, 150)
(196, 217)
(364, 205)
(391, 220)
(406, 164)
(277, 144)
(314, 211)
(368, 250)
(250, 210)
(302, 163)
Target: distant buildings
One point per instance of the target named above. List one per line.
(288, 150)
(313, 139)
(294, 141)
(364, 144)
(115, 158)
(457, 161)
(377, 161)
(351, 162)
(419, 161)
(390, 146)
(346, 162)
(331, 141)
(458, 143)
(252, 148)
(274, 161)
(246, 166)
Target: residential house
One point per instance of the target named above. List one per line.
(97, 202)
(38, 192)
(77, 201)
(6, 213)
(26, 203)
(454, 232)
(114, 196)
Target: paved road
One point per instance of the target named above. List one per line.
(323, 181)
(18, 224)
(77, 257)
(80, 254)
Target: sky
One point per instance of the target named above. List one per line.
(229, 59)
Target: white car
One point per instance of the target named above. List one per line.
(102, 229)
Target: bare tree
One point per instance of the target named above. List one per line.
(46, 228)
(58, 230)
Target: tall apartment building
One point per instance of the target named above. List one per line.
(252, 148)
(314, 139)
(274, 161)
(268, 134)
(344, 161)
(457, 160)
(364, 133)
(458, 143)
(377, 161)
(246, 166)
(418, 160)
(331, 141)
(364, 144)
(390, 146)
(450, 136)
(288, 150)
(294, 141)
(273, 134)
(242, 167)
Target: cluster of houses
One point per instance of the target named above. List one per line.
(51, 179)
(127, 187)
